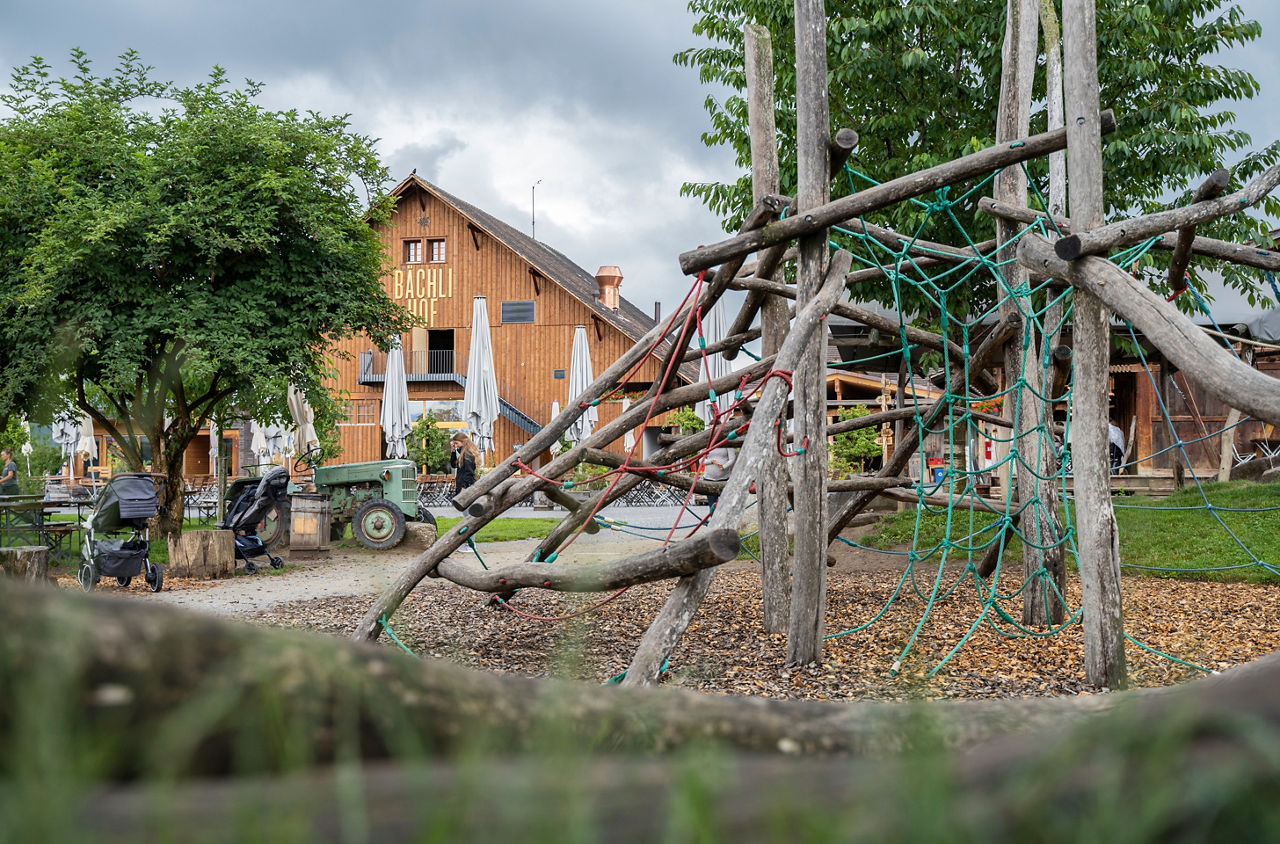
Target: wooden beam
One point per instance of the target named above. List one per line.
(668, 627)
(1103, 239)
(1182, 342)
(1244, 254)
(880, 196)
(705, 549)
(1211, 187)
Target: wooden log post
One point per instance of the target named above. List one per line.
(202, 554)
(1028, 474)
(775, 546)
(813, 126)
(25, 562)
(1098, 539)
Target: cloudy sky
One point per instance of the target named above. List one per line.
(487, 98)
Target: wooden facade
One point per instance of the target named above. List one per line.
(443, 252)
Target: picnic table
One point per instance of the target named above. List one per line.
(27, 520)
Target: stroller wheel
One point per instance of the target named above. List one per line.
(277, 563)
(124, 581)
(155, 577)
(88, 576)
(250, 567)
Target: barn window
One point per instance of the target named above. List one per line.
(557, 375)
(413, 251)
(436, 245)
(521, 311)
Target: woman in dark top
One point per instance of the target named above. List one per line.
(8, 474)
(463, 456)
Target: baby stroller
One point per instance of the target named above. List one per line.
(247, 510)
(122, 508)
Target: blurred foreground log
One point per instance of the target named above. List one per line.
(138, 690)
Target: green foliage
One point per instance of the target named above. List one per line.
(165, 251)
(856, 447)
(919, 82)
(686, 420)
(428, 445)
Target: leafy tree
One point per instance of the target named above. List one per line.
(428, 445)
(856, 447)
(919, 81)
(168, 250)
(687, 420)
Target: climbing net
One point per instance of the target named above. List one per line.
(953, 523)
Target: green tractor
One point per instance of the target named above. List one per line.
(375, 498)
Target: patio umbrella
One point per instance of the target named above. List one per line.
(480, 396)
(555, 414)
(258, 442)
(304, 419)
(629, 438)
(713, 328)
(66, 433)
(215, 440)
(395, 404)
(86, 443)
(580, 379)
(277, 440)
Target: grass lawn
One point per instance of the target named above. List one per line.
(504, 529)
(1176, 536)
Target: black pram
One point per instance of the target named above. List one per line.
(246, 512)
(123, 506)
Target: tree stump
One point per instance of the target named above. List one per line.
(203, 554)
(419, 536)
(28, 562)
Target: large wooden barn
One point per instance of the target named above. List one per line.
(444, 252)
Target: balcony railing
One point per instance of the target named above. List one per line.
(427, 365)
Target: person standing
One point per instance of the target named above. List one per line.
(463, 458)
(719, 461)
(8, 474)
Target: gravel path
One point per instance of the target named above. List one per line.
(357, 572)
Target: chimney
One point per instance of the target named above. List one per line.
(609, 279)
(657, 312)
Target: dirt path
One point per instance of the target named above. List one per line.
(352, 572)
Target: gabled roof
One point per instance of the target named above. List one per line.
(549, 263)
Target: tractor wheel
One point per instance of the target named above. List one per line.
(425, 515)
(275, 526)
(378, 524)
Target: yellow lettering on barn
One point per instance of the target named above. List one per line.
(421, 290)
